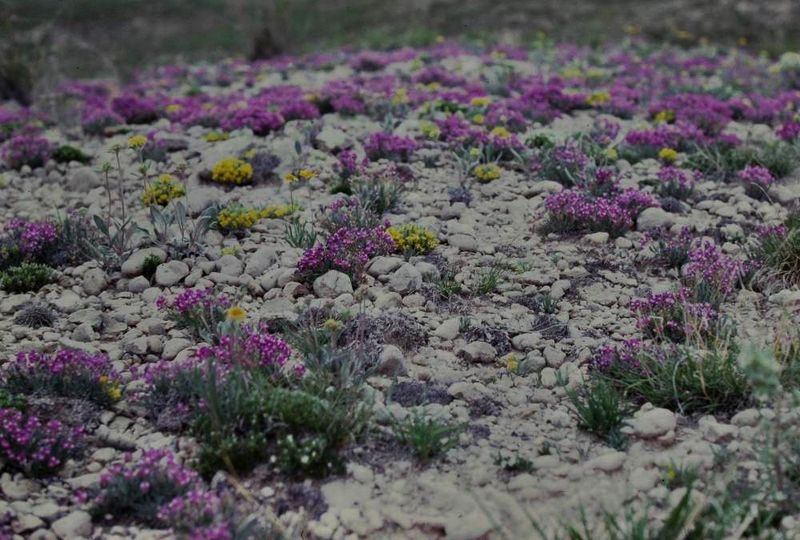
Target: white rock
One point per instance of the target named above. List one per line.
(171, 273)
(94, 281)
(653, 218)
(74, 525)
(332, 284)
(135, 263)
(405, 279)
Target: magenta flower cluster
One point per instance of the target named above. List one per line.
(576, 211)
(673, 317)
(27, 149)
(200, 311)
(36, 448)
(198, 514)
(675, 182)
(62, 363)
(712, 274)
(32, 236)
(382, 145)
(248, 348)
(347, 250)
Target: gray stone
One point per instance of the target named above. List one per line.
(83, 179)
(405, 279)
(478, 352)
(332, 284)
(94, 281)
(653, 218)
(73, 525)
(260, 260)
(138, 284)
(230, 265)
(171, 273)
(391, 361)
(135, 263)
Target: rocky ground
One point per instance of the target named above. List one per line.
(498, 358)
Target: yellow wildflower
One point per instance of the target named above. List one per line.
(290, 178)
(478, 119)
(306, 174)
(217, 136)
(232, 171)
(172, 108)
(474, 152)
(400, 97)
(137, 141)
(486, 172)
(236, 314)
(161, 191)
(664, 117)
(481, 101)
(501, 132)
(413, 239)
(597, 98)
(667, 155)
(611, 154)
(332, 325)
(430, 130)
(512, 363)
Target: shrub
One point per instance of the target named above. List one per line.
(574, 211)
(674, 182)
(66, 153)
(235, 216)
(348, 213)
(378, 195)
(427, 437)
(670, 316)
(35, 315)
(413, 239)
(347, 250)
(31, 241)
(35, 448)
(232, 171)
(197, 311)
(138, 490)
(600, 410)
(162, 190)
(679, 377)
(386, 146)
(27, 277)
(757, 181)
(486, 172)
(778, 249)
(30, 150)
(67, 373)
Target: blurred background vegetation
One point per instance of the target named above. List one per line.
(45, 40)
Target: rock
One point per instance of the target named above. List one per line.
(609, 462)
(478, 351)
(653, 218)
(19, 489)
(74, 525)
(463, 242)
(230, 265)
(391, 361)
(83, 179)
(332, 284)
(331, 138)
(548, 377)
(405, 279)
(383, 266)
(135, 263)
(94, 281)
(261, 260)
(171, 273)
(597, 238)
(554, 357)
(448, 329)
(138, 284)
(653, 423)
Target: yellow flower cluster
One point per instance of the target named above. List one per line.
(400, 97)
(298, 175)
(597, 98)
(137, 141)
(172, 108)
(611, 154)
(162, 190)
(236, 314)
(238, 217)
(430, 130)
(413, 239)
(486, 172)
(232, 171)
(217, 136)
(481, 101)
(501, 132)
(667, 155)
(111, 389)
(664, 117)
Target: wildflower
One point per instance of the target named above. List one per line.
(290, 178)
(306, 174)
(500, 132)
(664, 117)
(332, 325)
(236, 314)
(512, 363)
(611, 154)
(481, 101)
(598, 98)
(137, 142)
(413, 239)
(478, 119)
(430, 130)
(217, 136)
(162, 190)
(232, 171)
(486, 172)
(667, 155)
